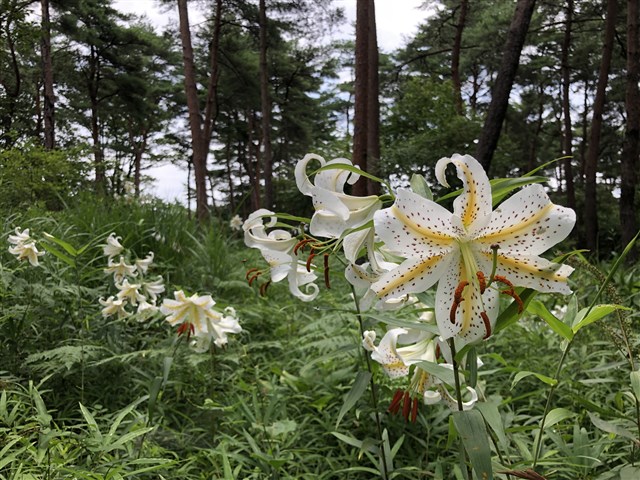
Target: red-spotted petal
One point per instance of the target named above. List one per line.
(411, 276)
(415, 226)
(473, 206)
(527, 223)
(469, 326)
(532, 272)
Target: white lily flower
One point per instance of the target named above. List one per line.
(27, 251)
(113, 246)
(144, 263)
(217, 331)
(153, 289)
(192, 311)
(114, 306)
(145, 310)
(130, 292)
(335, 211)
(20, 237)
(277, 248)
(455, 249)
(362, 277)
(236, 223)
(120, 270)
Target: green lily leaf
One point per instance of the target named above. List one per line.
(472, 431)
(587, 316)
(357, 390)
(526, 373)
(419, 185)
(536, 307)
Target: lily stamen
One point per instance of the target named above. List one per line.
(457, 299)
(253, 277)
(301, 244)
(326, 271)
(250, 271)
(482, 281)
(394, 406)
(487, 324)
(263, 288)
(311, 255)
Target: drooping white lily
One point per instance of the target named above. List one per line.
(120, 270)
(335, 211)
(452, 248)
(362, 277)
(20, 238)
(143, 264)
(278, 249)
(193, 311)
(217, 331)
(27, 251)
(153, 289)
(114, 306)
(130, 292)
(113, 246)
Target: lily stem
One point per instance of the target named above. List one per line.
(374, 395)
(456, 379)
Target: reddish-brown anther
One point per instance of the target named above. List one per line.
(414, 410)
(487, 324)
(501, 279)
(188, 327)
(309, 260)
(326, 271)
(483, 282)
(250, 271)
(301, 244)
(263, 288)
(457, 299)
(394, 406)
(253, 277)
(406, 407)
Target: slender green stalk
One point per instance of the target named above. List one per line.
(374, 395)
(556, 377)
(456, 379)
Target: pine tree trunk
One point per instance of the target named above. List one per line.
(593, 149)
(455, 57)
(373, 105)
(265, 103)
(567, 134)
(47, 77)
(195, 121)
(360, 116)
(504, 81)
(628, 173)
(98, 157)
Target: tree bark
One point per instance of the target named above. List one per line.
(47, 77)
(98, 154)
(567, 134)
(593, 149)
(373, 104)
(628, 221)
(265, 103)
(455, 57)
(366, 105)
(195, 121)
(504, 81)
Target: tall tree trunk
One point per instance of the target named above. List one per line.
(455, 57)
(98, 154)
(628, 173)
(366, 118)
(567, 134)
(265, 103)
(373, 104)
(504, 81)
(211, 109)
(593, 149)
(47, 77)
(195, 121)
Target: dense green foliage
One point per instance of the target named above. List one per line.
(87, 397)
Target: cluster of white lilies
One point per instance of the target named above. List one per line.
(472, 254)
(195, 316)
(138, 294)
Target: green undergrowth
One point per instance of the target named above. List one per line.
(86, 397)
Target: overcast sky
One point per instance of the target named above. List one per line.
(395, 20)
